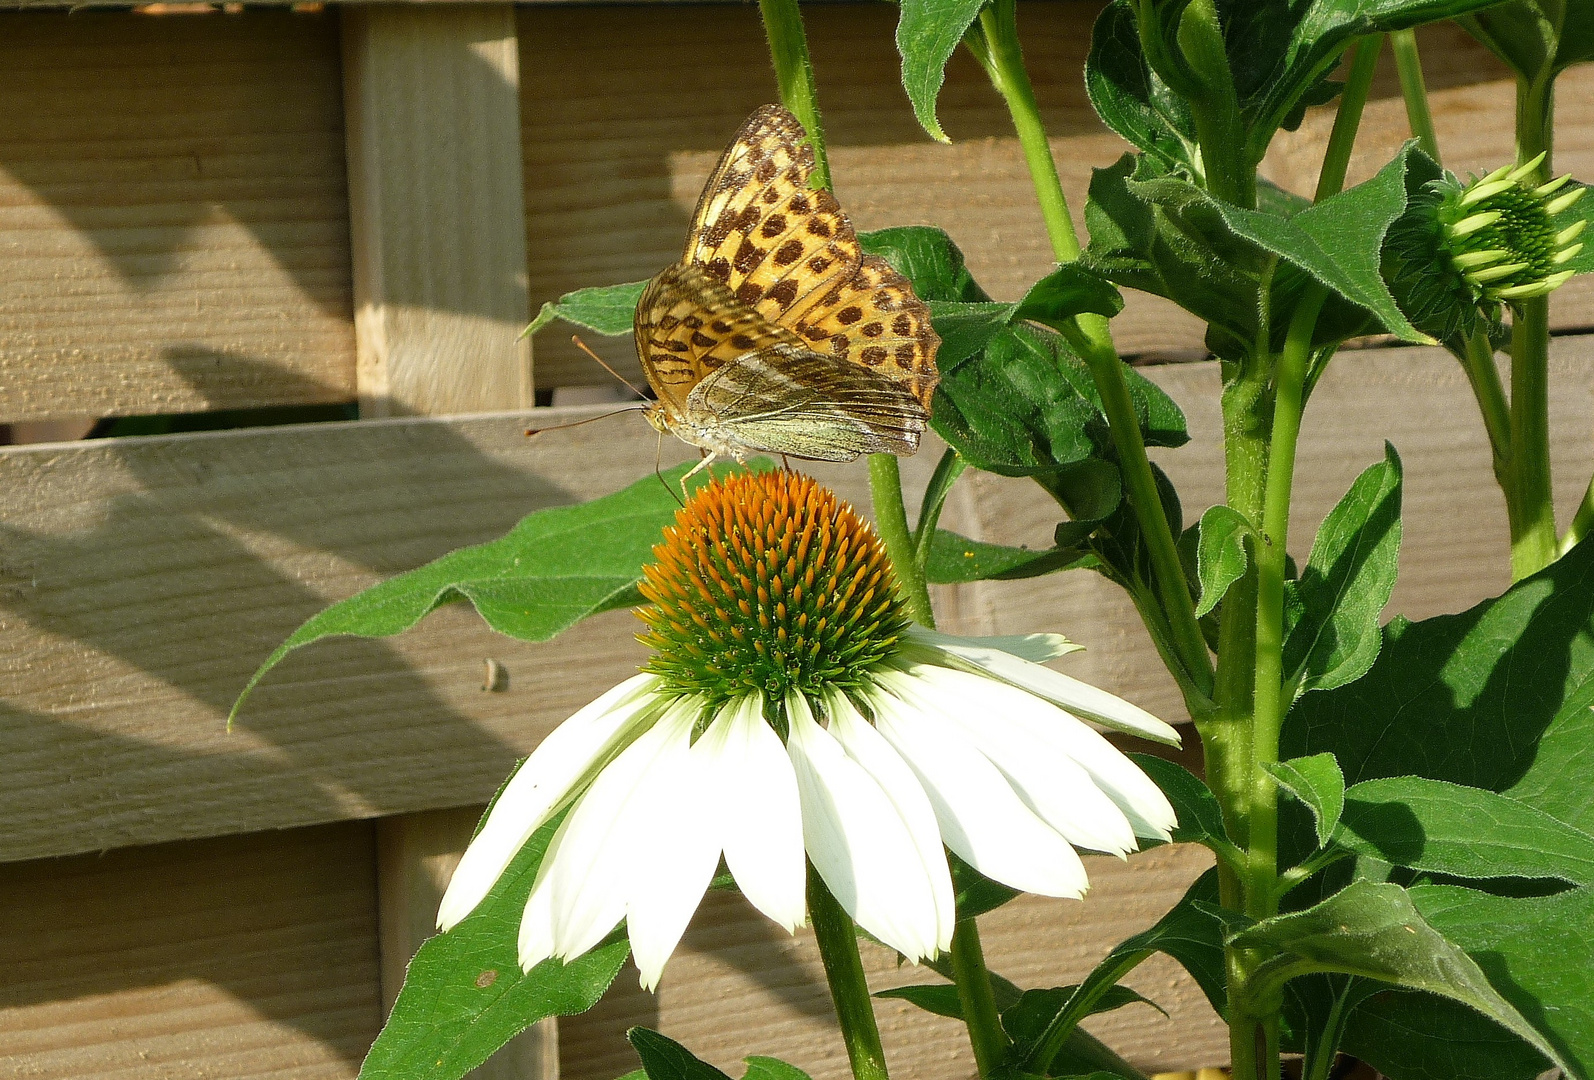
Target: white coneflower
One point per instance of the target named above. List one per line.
(790, 713)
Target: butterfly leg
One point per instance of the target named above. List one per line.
(708, 459)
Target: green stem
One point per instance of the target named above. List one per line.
(1478, 362)
(838, 949)
(1321, 1058)
(1581, 523)
(977, 998)
(1220, 127)
(1533, 534)
(1092, 338)
(794, 76)
(947, 471)
(1409, 65)
(891, 519)
(1352, 100)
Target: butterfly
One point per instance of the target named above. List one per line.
(775, 332)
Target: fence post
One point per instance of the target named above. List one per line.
(437, 209)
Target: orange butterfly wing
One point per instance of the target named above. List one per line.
(790, 253)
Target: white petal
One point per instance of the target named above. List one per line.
(677, 854)
(981, 816)
(857, 841)
(1036, 648)
(759, 815)
(866, 746)
(561, 764)
(592, 872)
(1054, 686)
(536, 926)
(1010, 727)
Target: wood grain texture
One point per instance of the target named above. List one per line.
(141, 581)
(612, 174)
(1455, 544)
(174, 229)
(248, 956)
(734, 958)
(435, 193)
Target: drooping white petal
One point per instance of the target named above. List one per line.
(866, 746)
(1036, 648)
(1010, 727)
(560, 765)
(857, 841)
(1078, 697)
(678, 849)
(981, 816)
(592, 872)
(758, 812)
(536, 924)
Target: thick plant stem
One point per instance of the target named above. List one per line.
(1532, 511)
(1092, 338)
(891, 519)
(794, 75)
(1409, 65)
(978, 1000)
(838, 949)
(1220, 128)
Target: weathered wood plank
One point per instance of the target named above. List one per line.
(174, 230)
(142, 580)
(432, 98)
(733, 954)
(240, 957)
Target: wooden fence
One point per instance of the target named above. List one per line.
(206, 209)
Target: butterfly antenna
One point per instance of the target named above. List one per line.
(591, 419)
(582, 345)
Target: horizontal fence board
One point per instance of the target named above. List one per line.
(613, 172)
(732, 955)
(241, 957)
(142, 579)
(174, 227)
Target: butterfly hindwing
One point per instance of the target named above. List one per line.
(787, 399)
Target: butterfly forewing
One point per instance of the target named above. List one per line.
(791, 253)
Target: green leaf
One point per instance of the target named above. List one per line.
(1130, 98)
(1536, 38)
(553, 569)
(1196, 808)
(665, 1059)
(955, 559)
(1221, 554)
(1069, 291)
(464, 994)
(1188, 933)
(1410, 1035)
(974, 894)
(938, 998)
(1372, 929)
(605, 309)
(1026, 1020)
(928, 258)
(1537, 951)
(1496, 697)
(1462, 831)
(1317, 782)
(928, 33)
(1332, 636)
(768, 1068)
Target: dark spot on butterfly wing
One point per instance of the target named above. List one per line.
(874, 356)
(873, 329)
(718, 268)
(902, 325)
(848, 315)
(783, 292)
(788, 253)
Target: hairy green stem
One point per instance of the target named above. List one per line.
(1220, 127)
(838, 950)
(1409, 66)
(1092, 338)
(1582, 522)
(891, 519)
(977, 998)
(1478, 362)
(794, 76)
(1531, 505)
(1352, 100)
